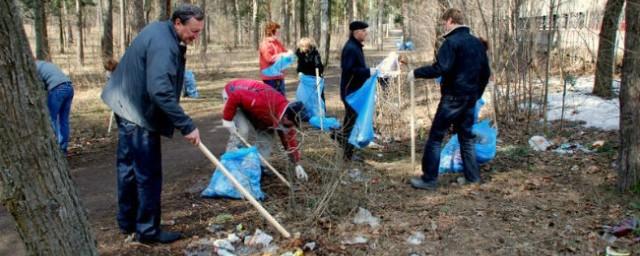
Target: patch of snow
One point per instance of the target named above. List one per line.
(581, 105)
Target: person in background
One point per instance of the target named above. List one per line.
(59, 97)
(464, 67)
(270, 50)
(254, 108)
(308, 58)
(354, 74)
(144, 92)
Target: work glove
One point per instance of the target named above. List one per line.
(372, 71)
(230, 125)
(301, 174)
(411, 76)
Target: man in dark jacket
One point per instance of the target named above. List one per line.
(144, 92)
(354, 73)
(464, 67)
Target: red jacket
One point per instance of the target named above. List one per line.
(264, 107)
(270, 48)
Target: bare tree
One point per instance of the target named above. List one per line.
(302, 21)
(69, 30)
(254, 24)
(123, 26)
(285, 23)
(59, 4)
(106, 41)
(629, 154)
(406, 21)
(606, 48)
(80, 53)
(42, 40)
(380, 34)
(294, 21)
(316, 13)
(325, 33)
(137, 17)
(165, 9)
(237, 30)
(37, 189)
(204, 40)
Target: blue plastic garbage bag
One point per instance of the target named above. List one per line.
(363, 101)
(485, 147)
(190, 88)
(282, 63)
(328, 123)
(408, 45)
(309, 94)
(244, 165)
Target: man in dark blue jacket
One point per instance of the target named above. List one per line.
(144, 92)
(354, 73)
(464, 67)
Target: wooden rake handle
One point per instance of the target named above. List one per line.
(244, 192)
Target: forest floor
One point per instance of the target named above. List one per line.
(530, 203)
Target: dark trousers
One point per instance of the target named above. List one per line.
(350, 116)
(139, 177)
(59, 104)
(459, 112)
(276, 84)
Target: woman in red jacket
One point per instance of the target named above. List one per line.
(270, 49)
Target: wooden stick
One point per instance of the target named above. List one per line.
(413, 127)
(264, 161)
(244, 192)
(110, 122)
(319, 99)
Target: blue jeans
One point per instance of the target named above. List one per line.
(59, 103)
(276, 84)
(139, 178)
(459, 112)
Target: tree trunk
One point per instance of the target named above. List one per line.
(69, 30)
(550, 32)
(165, 9)
(629, 155)
(379, 29)
(325, 33)
(316, 11)
(80, 53)
(285, 23)
(237, 30)
(99, 8)
(123, 26)
(42, 42)
(61, 27)
(406, 21)
(204, 40)
(606, 48)
(255, 25)
(106, 41)
(294, 22)
(137, 23)
(37, 189)
(302, 20)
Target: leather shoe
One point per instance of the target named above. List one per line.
(163, 237)
(418, 183)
